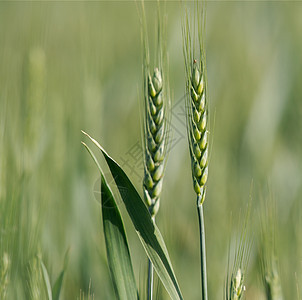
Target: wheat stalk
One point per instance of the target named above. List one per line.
(196, 104)
(154, 129)
(196, 100)
(156, 99)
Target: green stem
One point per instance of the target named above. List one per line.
(203, 264)
(150, 280)
(150, 276)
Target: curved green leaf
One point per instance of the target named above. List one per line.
(56, 291)
(118, 255)
(57, 287)
(146, 229)
(46, 280)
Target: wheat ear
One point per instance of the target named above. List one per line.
(237, 287)
(197, 129)
(154, 141)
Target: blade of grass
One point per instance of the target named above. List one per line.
(56, 290)
(146, 229)
(118, 254)
(46, 280)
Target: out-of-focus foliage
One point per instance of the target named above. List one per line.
(67, 66)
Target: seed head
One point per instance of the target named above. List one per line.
(237, 287)
(155, 133)
(197, 127)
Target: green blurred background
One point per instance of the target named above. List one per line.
(72, 66)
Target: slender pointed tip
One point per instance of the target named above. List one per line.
(86, 146)
(98, 145)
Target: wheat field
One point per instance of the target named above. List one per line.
(72, 66)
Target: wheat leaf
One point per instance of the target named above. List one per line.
(146, 229)
(118, 255)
